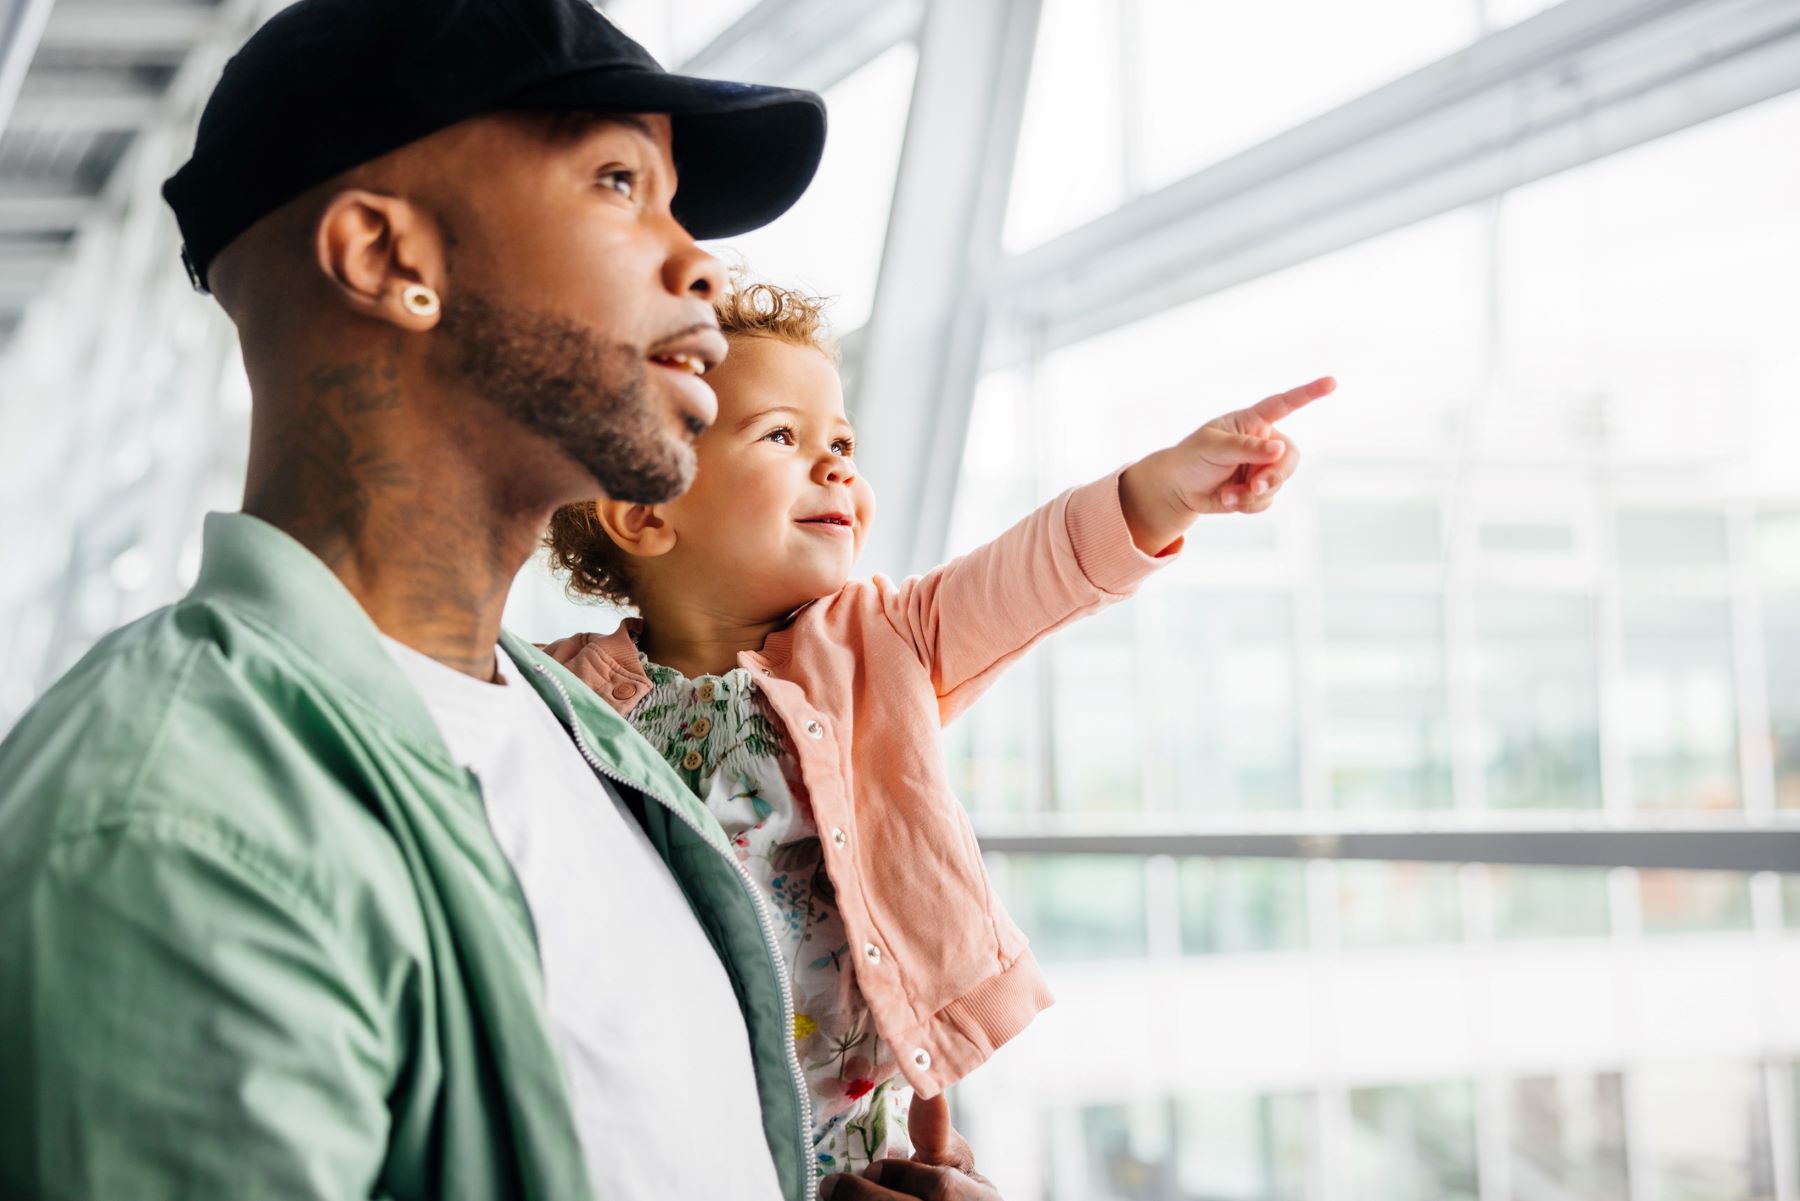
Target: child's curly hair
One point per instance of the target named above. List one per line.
(579, 546)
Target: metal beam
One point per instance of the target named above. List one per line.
(1581, 80)
(21, 27)
(32, 264)
(1734, 849)
(920, 353)
(140, 29)
(89, 109)
(806, 43)
(26, 212)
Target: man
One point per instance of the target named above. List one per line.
(317, 884)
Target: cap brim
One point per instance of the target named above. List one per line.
(744, 152)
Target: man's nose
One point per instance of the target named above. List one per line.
(691, 271)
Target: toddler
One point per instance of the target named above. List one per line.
(803, 706)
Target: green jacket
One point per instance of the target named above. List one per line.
(257, 939)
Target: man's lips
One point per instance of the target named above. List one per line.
(686, 358)
(695, 352)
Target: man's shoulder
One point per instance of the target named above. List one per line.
(95, 727)
(185, 727)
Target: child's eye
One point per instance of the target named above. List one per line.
(844, 446)
(781, 434)
(622, 180)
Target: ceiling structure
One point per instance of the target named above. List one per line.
(80, 80)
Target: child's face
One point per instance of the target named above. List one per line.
(778, 513)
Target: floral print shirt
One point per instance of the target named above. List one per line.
(723, 738)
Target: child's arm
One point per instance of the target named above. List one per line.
(972, 617)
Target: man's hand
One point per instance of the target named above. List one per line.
(942, 1167)
(1232, 464)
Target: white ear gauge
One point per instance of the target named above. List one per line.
(420, 301)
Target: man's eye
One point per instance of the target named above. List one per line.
(621, 180)
(781, 434)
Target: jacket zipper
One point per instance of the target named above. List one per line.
(810, 1179)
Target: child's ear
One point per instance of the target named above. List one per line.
(638, 530)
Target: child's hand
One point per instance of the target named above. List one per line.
(1232, 464)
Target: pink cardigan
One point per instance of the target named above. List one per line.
(863, 679)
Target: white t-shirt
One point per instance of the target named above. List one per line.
(643, 1016)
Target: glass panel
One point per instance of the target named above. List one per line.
(1235, 1148)
(1781, 646)
(1705, 1132)
(989, 748)
(994, 489)
(1234, 905)
(1362, 535)
(1413, 1142)
(830, 242)
(1098, 731)
(1790, 904)
(1522, 538)
(1550, 902)
(1232, 701)
(1680, 902)
(1670, 538)
(1387, 904)
(1678, 707)
(1073, 100)
(1388, 740)
(1398, 318)
(1778, 549)
(1635, 283)
(1213, 79)
(1210, 541)
(1078, 906)
(1501, 13)
(1110, 1153)
(1536, 685)
(1567, 1138)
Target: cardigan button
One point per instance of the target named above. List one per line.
(622, 692)
(921, 1059)
(814, 730)
(767, 672)
(839, 838)
(871, 952)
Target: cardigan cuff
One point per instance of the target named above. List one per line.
(1102, 540)
(964, 1034)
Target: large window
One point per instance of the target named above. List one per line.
(1528, 576)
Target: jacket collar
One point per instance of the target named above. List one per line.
(625, 754)
(271, 579)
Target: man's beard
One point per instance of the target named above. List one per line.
(558, 378)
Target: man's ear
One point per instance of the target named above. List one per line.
(641, 531)
(378, 252)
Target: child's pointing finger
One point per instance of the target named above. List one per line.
(1283, 404)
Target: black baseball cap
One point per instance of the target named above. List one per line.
(326, 85)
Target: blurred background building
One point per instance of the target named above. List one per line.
(1424, 838)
